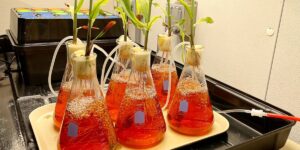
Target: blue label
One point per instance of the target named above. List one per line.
(139, 117)
(73, 130)
(183, 106)
(166, 85)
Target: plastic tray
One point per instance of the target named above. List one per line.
(46, 135)
(245, 132)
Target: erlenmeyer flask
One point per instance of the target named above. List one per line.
(66, 83)
(160, 70)
(140, 122)
(119, 78)
(86, 123)
(190, 111)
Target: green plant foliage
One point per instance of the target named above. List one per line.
(187, 8)
(208, 20)
(143, 10)
(96, 9)
(126, 5)
(79, 5)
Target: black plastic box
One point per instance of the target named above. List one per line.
(35, 59)
(34, 29)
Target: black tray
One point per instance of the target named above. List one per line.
(35, 58)
(245, 132)
(52, 29)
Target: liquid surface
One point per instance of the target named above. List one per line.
(140, 122)
(191, 111)
(87, 126)
(61, 103)
(115, 94)
(160, 74)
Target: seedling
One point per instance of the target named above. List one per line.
(191, 13)
(142, 18)
(94, 11)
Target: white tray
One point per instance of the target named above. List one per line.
(46, 135)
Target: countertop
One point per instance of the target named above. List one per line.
(291, 145)
(10, 135)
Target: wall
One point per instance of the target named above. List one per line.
(6, 5)
(244, 49)
(284, 87)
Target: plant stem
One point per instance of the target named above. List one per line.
(148, 28)
(75, 24)
(89, 34)
(169, 18)
(146, 40)
(192, 25)
(126, 29)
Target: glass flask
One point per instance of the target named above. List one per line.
(65, 87)
(140, 122)
(160, 70)
(86, 123)
(119, 78)
(191, 111)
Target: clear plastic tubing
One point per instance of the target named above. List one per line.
(104, 78)
(172, 63)
(54, 58)
(53, 61)
(260, 113)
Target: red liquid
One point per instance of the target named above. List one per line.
(93, 129)
(191, 111)
(160, 74)
(140, 122)
(61, 103)
(114, 96)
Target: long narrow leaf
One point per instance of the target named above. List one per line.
(126, 5)
(144, 11)
(208, 20)
(157, 5)
(79, 5)
(122, 15)
(187, 8)
(152, 21)
(96, 9)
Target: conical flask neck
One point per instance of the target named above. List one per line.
(84, 66)
(71, 48)
(124, 51)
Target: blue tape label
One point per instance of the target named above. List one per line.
(139, 117)
(72, 130)
(166, 85)
(183, 106)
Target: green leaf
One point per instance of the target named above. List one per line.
(142, 8)
(187, 8)
(152, 21)
(79, 5)
(180, 22)
(71, 10)
(157, 5)
(122, 15)
(208, 20)
(126, 6)
(96, 9)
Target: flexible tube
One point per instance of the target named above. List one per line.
(53, 61)
(172, 62)
(260, 113)
(107, 57)
(233, 111)
(109, 68)
(169, 86)
(271, 115)
(104, 78)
